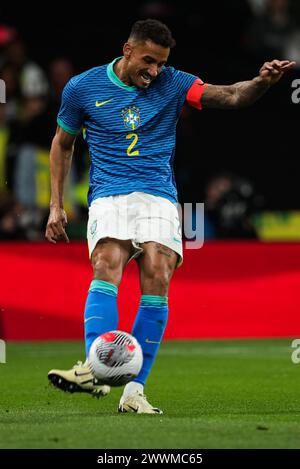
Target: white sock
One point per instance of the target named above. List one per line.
(132, 388)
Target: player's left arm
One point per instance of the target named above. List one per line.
(245, 93)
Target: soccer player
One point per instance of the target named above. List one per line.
(128, 110)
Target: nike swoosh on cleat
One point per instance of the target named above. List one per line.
(135, 409)
(82, 374)
(103, 102)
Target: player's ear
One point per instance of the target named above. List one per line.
(127, 50)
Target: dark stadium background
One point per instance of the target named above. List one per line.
(260, 143)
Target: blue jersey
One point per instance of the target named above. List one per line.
(130, 132)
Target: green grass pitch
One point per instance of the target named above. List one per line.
(215, 394)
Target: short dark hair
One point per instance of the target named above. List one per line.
(153, 30)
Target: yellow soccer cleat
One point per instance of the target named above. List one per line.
(78, 379)
(137, 403)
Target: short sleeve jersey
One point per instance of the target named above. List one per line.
(130, 132)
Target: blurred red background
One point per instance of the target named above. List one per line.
(224, 290)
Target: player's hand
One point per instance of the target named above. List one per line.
(273, 71)
(55, 229)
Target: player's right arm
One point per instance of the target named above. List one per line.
(60, 162)
(70, 120)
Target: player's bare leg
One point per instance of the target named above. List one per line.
(108, 261)
(156, 266)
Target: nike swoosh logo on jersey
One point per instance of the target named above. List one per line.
(98, 104)
(151, 341)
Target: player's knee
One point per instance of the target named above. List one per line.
(157, 281)
(107, 268)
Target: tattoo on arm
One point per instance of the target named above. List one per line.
(235, 96)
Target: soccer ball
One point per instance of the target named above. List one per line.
(115, 358)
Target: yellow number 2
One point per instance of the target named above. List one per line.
(133, 143)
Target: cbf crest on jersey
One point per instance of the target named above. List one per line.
(131, 117)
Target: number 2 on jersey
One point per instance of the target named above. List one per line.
(132, 145)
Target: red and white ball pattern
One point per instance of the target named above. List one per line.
(115, 358)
